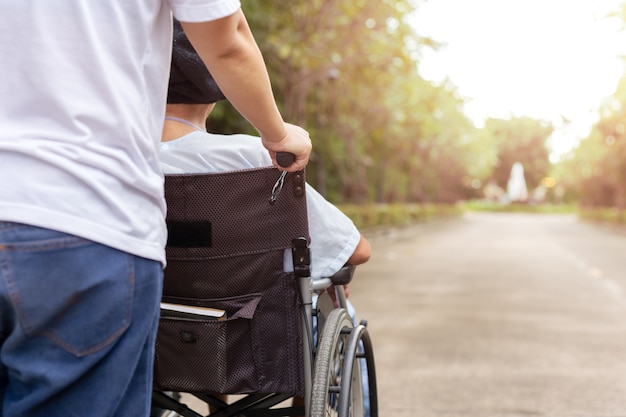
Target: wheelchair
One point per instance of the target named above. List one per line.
(278, 344)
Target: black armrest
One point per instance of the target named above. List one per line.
(344, 275)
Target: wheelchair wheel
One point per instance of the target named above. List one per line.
(329, 371)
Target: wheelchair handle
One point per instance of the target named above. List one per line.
(285, 159)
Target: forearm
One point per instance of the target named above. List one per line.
(229, 50)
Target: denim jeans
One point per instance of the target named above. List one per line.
(77, 326)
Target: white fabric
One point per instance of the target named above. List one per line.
(82, 100)
(333, 235)
(203, 10)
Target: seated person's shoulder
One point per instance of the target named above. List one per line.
(202, 152)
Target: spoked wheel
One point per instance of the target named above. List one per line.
(330, 374)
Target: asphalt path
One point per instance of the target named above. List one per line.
(498, 315)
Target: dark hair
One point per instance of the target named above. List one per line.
(190, 81)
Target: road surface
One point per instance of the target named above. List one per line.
(498, 315)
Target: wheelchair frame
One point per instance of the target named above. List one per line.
(333, 355)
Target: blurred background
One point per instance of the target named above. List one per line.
(421, 108)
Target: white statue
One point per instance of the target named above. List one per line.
(516, 187)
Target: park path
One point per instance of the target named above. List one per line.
(498, 315)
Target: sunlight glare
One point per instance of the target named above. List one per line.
(554, 60)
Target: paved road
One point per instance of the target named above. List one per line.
(498, 315)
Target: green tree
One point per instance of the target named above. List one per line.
(347, 71)
(595, 172)
(597, 168)
(523, 140)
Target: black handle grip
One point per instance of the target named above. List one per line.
(285, 159)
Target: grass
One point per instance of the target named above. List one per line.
(481, 205)
(376, 215)
(603, 214)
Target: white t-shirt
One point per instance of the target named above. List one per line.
(82, 100)
(333, 235)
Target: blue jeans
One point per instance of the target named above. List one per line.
(78, 324)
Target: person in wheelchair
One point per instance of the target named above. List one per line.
(187, 147)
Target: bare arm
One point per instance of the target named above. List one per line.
(231, 54)
(362, 252)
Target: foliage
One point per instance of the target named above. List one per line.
(596, 170)
(347, 71)
(520, 140)
(368, 216)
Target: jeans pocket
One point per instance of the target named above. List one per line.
(75, 292)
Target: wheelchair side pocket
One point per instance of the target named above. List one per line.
(206, 354)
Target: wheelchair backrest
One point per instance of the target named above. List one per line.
(225, 251)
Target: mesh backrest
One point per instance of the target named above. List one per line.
(234, 262)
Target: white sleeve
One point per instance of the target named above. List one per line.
(333, 235)
(203, 10)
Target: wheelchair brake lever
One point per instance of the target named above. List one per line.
(284, 159)
(278, 186)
